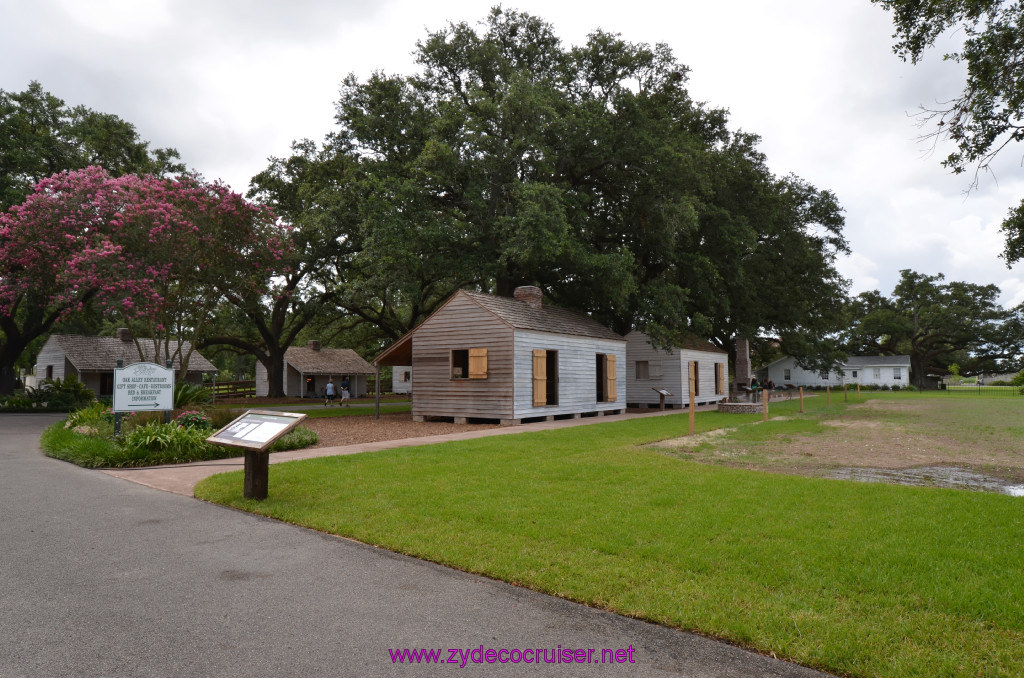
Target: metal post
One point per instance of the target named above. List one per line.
(376, 394)
(117, 415)
(167, 413)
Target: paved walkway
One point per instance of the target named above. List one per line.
(182, 478)
(100, 577)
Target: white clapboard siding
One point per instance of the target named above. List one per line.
(577, 373)
(52, 355)
(674, 373)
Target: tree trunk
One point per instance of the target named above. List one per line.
(275, 371)
(10, 351)
(917, 370)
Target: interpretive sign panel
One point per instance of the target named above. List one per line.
(256, 429)
(143, 386)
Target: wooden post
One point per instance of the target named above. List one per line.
(828, 396)
(764, 404)
(846, 395)
(858, 388)
(693, 402)
(801, 400)
(257, 474)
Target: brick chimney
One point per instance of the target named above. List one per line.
(313, 344)
(742, 361)
(124, 334)
(528, 294)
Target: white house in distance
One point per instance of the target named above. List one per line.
(401, 380)
(92, 360)
(882, 370)
(650, 368)
(307, 369)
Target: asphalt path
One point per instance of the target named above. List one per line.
(104, 577)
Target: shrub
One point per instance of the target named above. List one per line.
(158, 443)
(296, 439)
(220, 418)
(193, 419)
(96, 418)
(187, 394)
(59, 395)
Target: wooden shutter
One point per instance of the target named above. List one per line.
(718, 378)
(610, 378)
(478, 363)
(695, 377)
(540, 377)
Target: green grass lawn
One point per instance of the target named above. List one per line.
(864, 579)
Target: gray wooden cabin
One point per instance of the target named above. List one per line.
(668, 369)
(485, 357)
(92, 360)
(307, 369)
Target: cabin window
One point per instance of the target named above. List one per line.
(719, 378)
(876, 372)
(404, 375)
(786, 375)
(607, 384)
(545, 377)
(469, 363)
(897, 373)
(855, 374)
(49, 372)
(643, 370)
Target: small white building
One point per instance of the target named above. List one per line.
(307, 369)
(884, 370)
(480, 356)
(649, 368)
(91, 360)
(401, 380)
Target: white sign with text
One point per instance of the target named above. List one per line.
(143, 386)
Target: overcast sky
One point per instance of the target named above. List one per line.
(231, 82)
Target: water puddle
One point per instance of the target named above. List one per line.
(931, 476)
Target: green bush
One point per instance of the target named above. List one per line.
(59, 395)
(296, 439)
(187, 394)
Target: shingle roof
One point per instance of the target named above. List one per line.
(327, 361)
(877, 360)
(100, 354)
(521, 315)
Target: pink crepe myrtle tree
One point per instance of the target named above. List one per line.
(152, 253)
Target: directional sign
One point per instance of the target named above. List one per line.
(143, 386)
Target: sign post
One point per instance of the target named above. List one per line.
(255, 431)
(143, 386)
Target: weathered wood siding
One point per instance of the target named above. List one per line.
(398, 384)
(706, 375)
(675, 375)
(460, 325)
(52, 355)
(262, 384)
(577, 373)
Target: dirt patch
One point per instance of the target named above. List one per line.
(877, 434)
(334, 431)
(694, 440)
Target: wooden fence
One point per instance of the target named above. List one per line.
(234, 389)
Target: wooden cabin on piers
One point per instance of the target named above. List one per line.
(481, 356)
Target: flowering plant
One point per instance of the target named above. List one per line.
(193, 419)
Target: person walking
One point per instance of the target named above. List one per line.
(329, 392)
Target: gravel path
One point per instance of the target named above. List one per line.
(336, 431)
